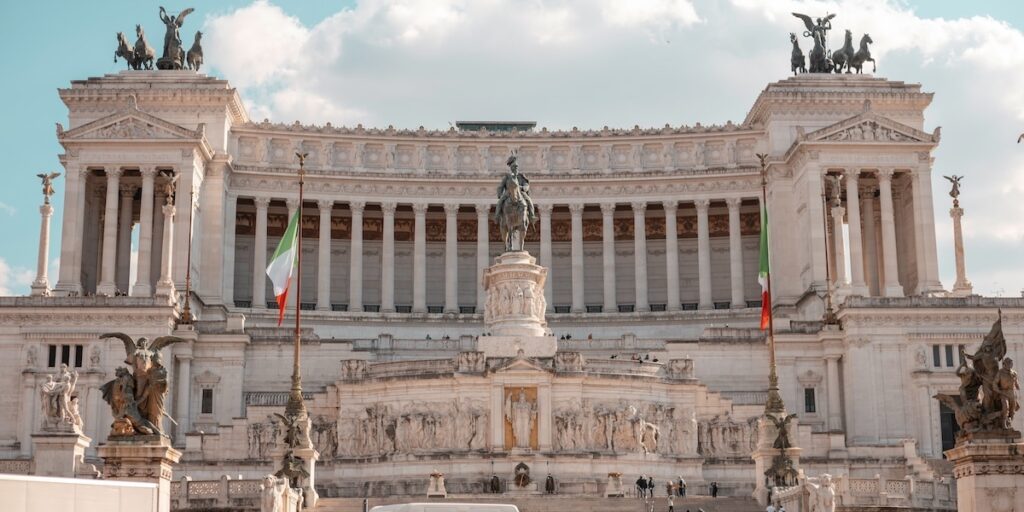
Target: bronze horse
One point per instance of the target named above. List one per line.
(124, 50)
(841, 58)
(863, 55)
(797, 61)
(514, 220)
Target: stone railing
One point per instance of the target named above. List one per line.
(878, 492)
(235, 495)
(16, 466)
(409, 368)
(624, 367)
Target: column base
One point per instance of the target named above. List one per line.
(859, 289)
(963, 289)
(106, 288)
(142, 290)
(68, 289)
(166, 289)
(148, 458)
(60, 454)
(989, 472)
(706, 306)
(40, 288)
(893, 291)
(509, 346)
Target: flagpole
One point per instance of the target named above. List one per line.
(774, 403)
(296, 407)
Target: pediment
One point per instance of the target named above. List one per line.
(519, 364)
(130, 123)
(871, 127)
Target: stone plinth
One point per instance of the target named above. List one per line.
(515, 296)
(309, 456)
(436, 487)
(141, 459)
(59, 454)
(989, 472)
(614, 488)
(509, 346)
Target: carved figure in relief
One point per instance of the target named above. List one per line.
(56, 397)
(699, 155)
(523, 415)
(522, 475)
(31, 356)
(94, 357)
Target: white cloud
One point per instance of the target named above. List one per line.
(586, 63)
(14, 280)
(8, 209)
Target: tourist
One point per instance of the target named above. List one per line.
(668, 488)
(650, 485)
(770, 508)
(682, 487)
(641, 485)
(714, 489)
(671, 505)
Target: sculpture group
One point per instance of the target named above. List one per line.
(136, 397)
(823, 60)
(142, 56)
(60, 403)
(987, 401)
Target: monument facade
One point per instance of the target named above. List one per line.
(601, 322)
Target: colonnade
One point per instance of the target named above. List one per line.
(483, 211)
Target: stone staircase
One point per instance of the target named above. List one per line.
(559, 503)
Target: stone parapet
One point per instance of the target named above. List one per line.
(146, 458)
(989, 472)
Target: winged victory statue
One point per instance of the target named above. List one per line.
(136, 397)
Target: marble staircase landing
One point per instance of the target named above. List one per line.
(559, 503)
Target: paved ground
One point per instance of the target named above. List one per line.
(561, 503)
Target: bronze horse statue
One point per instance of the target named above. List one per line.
(124, 50)
(514, 219)
(194, 58)
(841, 58)
(797, 61)
(863, 55)
(144, 53)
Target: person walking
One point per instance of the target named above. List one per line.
(641, 485)
(682, 487)
(668, 488)
(671, 504)
(650, 485)
(714, 489)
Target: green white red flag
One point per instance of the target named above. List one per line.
(282, 264)
(762, 274)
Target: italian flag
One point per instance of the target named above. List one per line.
(281, 265)
(762, 274)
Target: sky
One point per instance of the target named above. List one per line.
(562, 63)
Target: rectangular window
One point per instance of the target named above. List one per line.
(207, 405)
(65, 354)
(936, 356)
(949, 356)
(809, 405)
(78, 356)
(51, 357)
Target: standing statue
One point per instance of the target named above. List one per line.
(782, 440)
(48, 185)
(522, 414)
(987, 401)
(57, 397)
(514, 212)
(821, 493)
(174, 55)
(144, 53)
(137, 398)
(863, 55)
(818, 31)
(955, 191)
(796, 60)
(195, 54)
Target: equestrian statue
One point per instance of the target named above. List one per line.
(514, 213)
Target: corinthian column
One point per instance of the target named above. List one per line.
(41, 285)
(608, 250)
(165, 287)
(703, 255)
(323, 273)
(451, 258)
(259, 265)
(672, 255)
(355, 280)
(857, 284)
(143, 274)
(576, 211)
(962, 287)
(545, 251)
(69, 280)
(482, 252)
(109, 264)
(838, 213)
(640, 255)
(419, 266)
(387, 266)
(122, 280)
(736, 253)
(892, 286)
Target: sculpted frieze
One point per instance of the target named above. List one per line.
(623, 427)
(413, 427)
(724, 436)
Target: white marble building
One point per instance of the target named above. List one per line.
(651, 240)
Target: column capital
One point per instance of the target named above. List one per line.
(388, 208)
(734, 203)
(885, 174)
(113, 174)
(47, 210)
(868, 192)
(607, 209)
(838, 211)
(451, 209)
(168, 210)
(639, 207)
(576, 209)
(702, 205)
(83, 171)
(851, 175)
(292, 203)
(148, 172)
(545, 209)
(357, 207)
(420, 209)
(127, 190)
(671, 207)
(325, 205)
(261, 202)
(484, 209)
(232, 195)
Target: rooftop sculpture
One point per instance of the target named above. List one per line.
(141, 55)
(822, 60)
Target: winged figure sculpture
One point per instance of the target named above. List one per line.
(136, 397)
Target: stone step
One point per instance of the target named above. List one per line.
(560, 503)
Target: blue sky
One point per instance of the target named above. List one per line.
(563, 63)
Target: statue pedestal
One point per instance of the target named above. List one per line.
(147, 458)
(436, 487)
(309, 456)
(614, 488)
(59, 454)
(989, 472)
(514, 312)
(766, 454)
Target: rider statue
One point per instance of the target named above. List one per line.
(524, 185)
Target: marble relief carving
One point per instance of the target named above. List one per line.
(512, 298)
(723, 436)
(625, 428)
(262, 437)
(412, 428)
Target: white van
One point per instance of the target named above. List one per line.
(446, 507)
